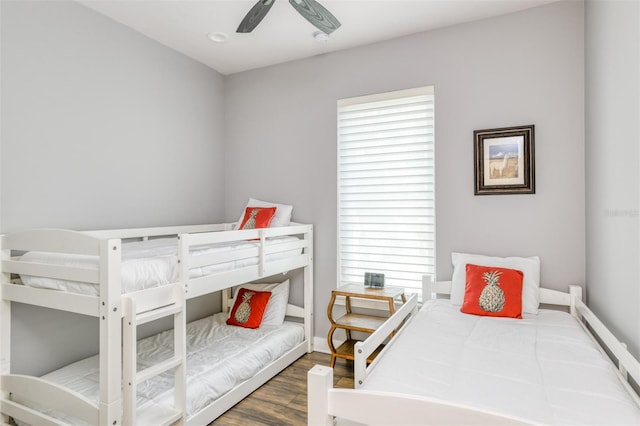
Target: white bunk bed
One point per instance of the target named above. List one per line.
(401, 387)
(199, 267)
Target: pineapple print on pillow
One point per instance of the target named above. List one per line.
(493, 291)
(492, 297)
(249, 308)
(257, 217)
(244, 309)
(251, 222)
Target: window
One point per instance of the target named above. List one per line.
(386, 187)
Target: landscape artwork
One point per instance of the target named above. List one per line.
(503, 161)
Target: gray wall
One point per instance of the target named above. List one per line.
(523, 68)
(613, 164)
(101, 128)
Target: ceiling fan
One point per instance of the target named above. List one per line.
(311, 10)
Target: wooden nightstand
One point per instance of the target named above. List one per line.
(358, 322)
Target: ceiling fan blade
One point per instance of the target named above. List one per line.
(315, 13)
(255, 15)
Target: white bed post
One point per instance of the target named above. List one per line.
(5, 328)
(129, 361)
(308, 291)
(319, 383)
(575, 292)
(359, 365)
(261, 254)
(180, 327)
(110, 333)
(180, 351)
(427, 287)
(227, 294)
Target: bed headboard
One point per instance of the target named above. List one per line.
(431, 289)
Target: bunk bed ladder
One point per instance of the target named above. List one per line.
(132, 377)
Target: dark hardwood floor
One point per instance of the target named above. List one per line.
(283, 400)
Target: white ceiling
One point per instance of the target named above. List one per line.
(284, 35)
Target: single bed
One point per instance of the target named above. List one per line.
(130, 277)
(446, 367)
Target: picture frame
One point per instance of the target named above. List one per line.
(504, 160)
(373, 280)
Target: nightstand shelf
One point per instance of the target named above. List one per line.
(363, 323)
(360, 322)
(346, 350)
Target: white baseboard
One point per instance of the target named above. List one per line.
(320, 344)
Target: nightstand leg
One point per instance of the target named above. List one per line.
(331, 347)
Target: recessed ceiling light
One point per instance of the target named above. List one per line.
(321, 36)
(218, 36)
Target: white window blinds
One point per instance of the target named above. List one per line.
(386, 211)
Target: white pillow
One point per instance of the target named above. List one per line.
(530, 267)
(281, 218)
(276, 307)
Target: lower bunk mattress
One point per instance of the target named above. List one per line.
(543, 367)
(220, 357)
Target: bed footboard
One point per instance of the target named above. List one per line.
(48, 396)
(387, 408)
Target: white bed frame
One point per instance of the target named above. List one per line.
(120, 314)
(325, 403)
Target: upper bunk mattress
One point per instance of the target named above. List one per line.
(543, 367)
(149, 263)
(220, 356)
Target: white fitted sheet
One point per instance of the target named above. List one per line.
(147, 264)
(220, 357)
(543, 367)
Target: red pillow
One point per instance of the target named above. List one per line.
(249, 308)
(257, 217)
(494, 292)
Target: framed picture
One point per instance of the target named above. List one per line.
(373, 280)
(504, 160)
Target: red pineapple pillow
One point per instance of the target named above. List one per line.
(257, 217)
(495, 292)
(249, 308)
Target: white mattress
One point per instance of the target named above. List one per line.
(543, 367)
(147, 264)
(219, 357)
